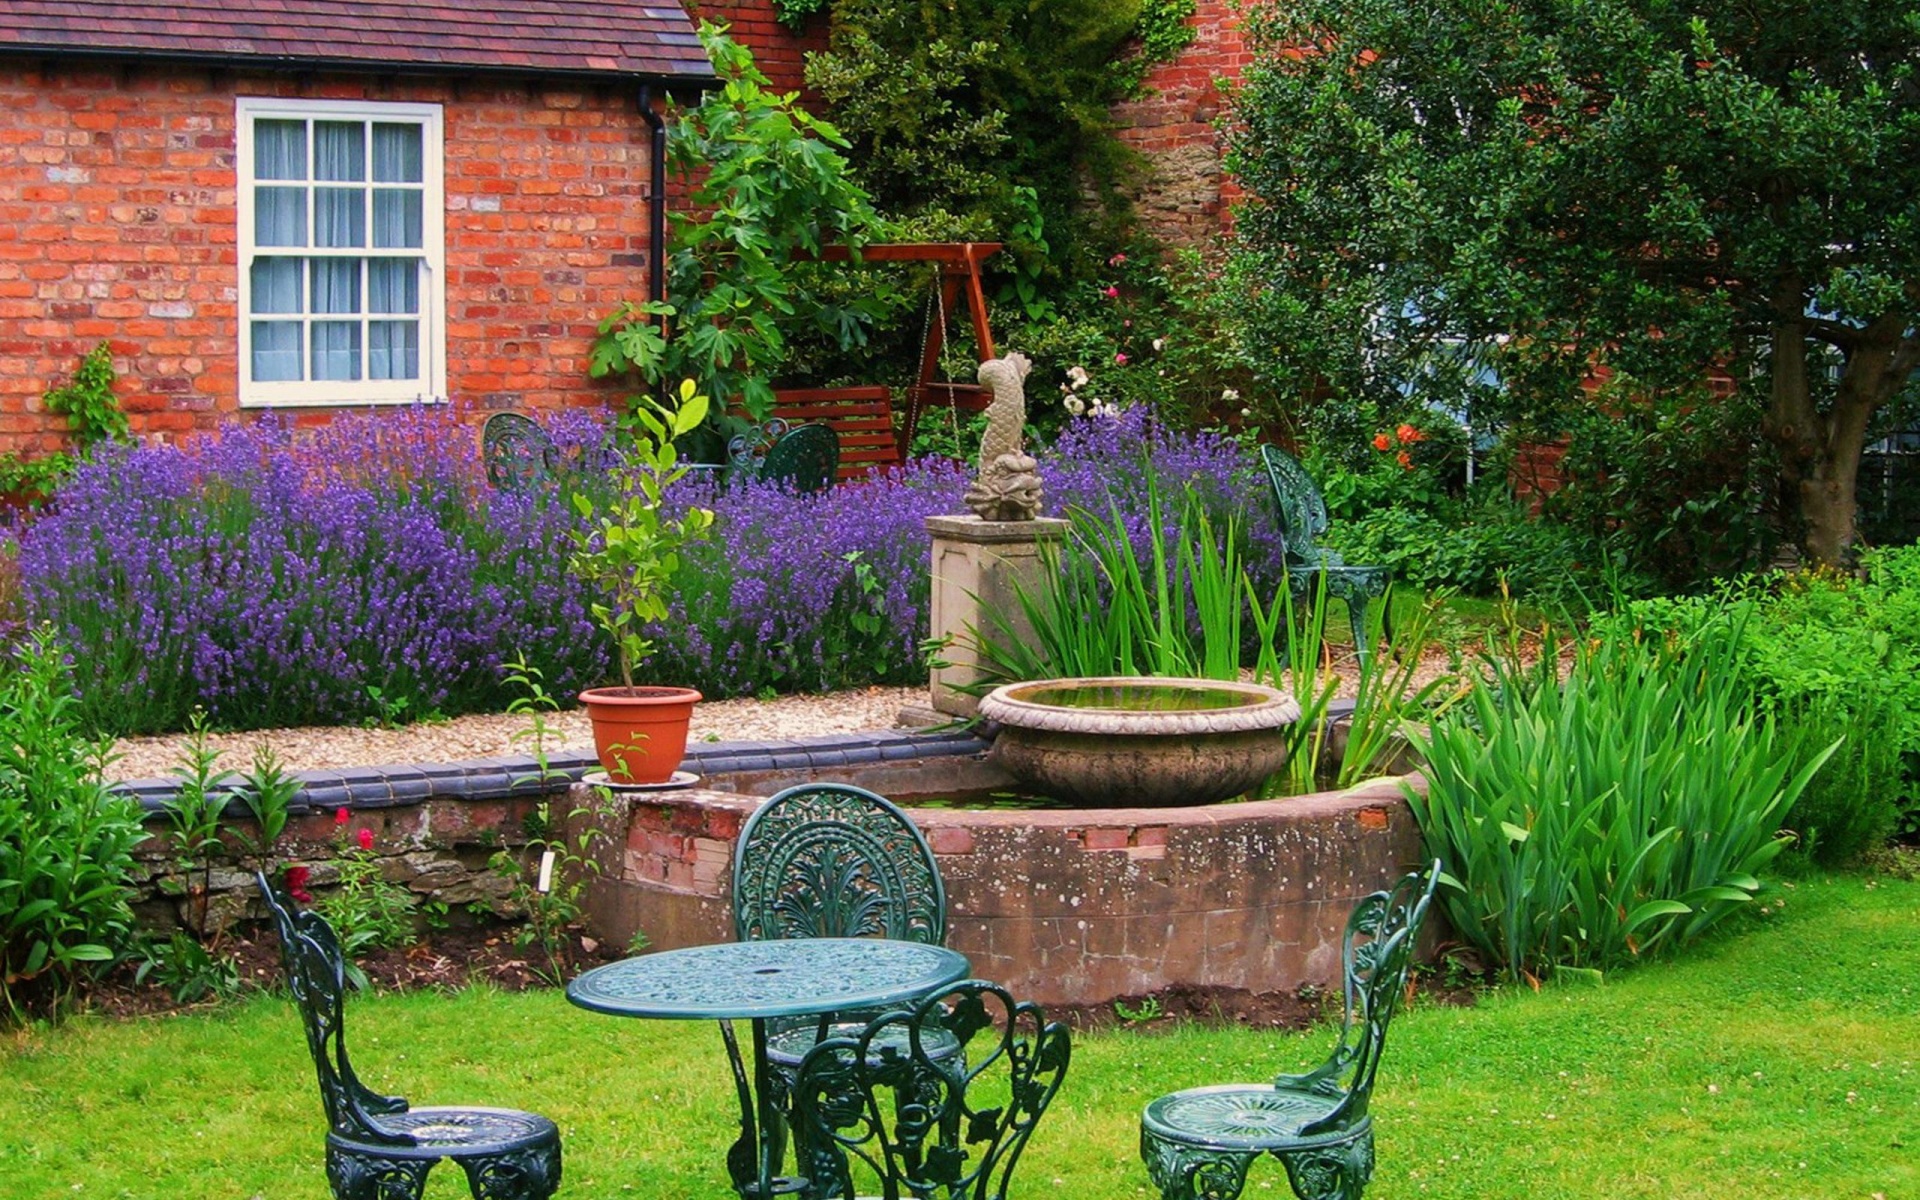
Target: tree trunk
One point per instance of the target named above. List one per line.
(1820, 452)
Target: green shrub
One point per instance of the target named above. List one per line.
(1624, 811)
(1830, 656)
(66, 841)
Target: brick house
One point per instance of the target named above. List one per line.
(335, 203)
(325, 204)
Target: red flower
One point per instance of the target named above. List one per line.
(341, 816)
(1403, 458)
(366, 839)
(1116, 260)
(297, 884)
(1381, 442)
(1112, 293)
(1408, 434)
(1121, 359)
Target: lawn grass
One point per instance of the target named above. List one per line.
(1782, 1061)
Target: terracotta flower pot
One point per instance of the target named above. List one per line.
(640, 733)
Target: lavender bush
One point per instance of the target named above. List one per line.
(276, 578)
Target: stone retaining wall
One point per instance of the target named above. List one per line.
(1070, 906)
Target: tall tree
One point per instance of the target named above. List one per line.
(1666, 189)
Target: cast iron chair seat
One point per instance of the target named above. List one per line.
(1251, 1115)
(1198, 1144)
(787, 1046)
(950, 1124)
(435, 1130)
(1303, 518)
(518, 453)
(379, 1147)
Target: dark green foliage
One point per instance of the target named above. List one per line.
(947, 106)
(1676, 492)
(1833, 657)
(1668, 190)
(65, 841)
(1474, 548)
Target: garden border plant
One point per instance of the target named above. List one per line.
(1626, 810)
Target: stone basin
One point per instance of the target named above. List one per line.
(1140, 742)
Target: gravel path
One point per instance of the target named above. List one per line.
(485, 734)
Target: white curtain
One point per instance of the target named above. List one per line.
(280, 213)
(275, 288)
(342, 164)
(397, 158)
(393, 347)
(339, 213)
(336, 344)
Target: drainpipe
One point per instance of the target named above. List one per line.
(656, 198)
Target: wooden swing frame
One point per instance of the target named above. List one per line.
(863, 416)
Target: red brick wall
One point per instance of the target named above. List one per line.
(777, 51)
(117, 222)
(1185, 196)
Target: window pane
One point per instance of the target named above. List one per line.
(340, 150)
(340, 217)
(393, 285)
(336, 286)
(276, 289)
(393, 350)
(396, 218)
(396, 154)
(276, 351)
(336, 350)
(279, 149)
(280, 216)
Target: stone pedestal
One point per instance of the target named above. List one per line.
(976, 565)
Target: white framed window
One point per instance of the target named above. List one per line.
(342, 252)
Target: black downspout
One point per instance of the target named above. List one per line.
(656, 198)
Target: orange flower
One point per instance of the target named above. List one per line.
(1380, 442)
(1404, 459)
(1408, 434)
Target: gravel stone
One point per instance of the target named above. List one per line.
(485, 735)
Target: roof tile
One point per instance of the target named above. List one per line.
(539, 37)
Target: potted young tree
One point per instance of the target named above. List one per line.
(629, 552)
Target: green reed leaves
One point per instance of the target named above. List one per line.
(1620, 812)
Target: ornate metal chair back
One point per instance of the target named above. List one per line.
(316, 975)
(833, 860)
(1303, 511)
(1376, 956)
(804, 458)
(518, 453)
(932, 1124)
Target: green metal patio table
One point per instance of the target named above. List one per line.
(755, 981)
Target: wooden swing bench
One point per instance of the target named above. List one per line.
(863, 415)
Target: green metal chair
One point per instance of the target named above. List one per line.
(833, 860)
(379, 1147)
(802, 458)
(927, 1120)
(1303, 517)
(1198, 1144)
(518, 454)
